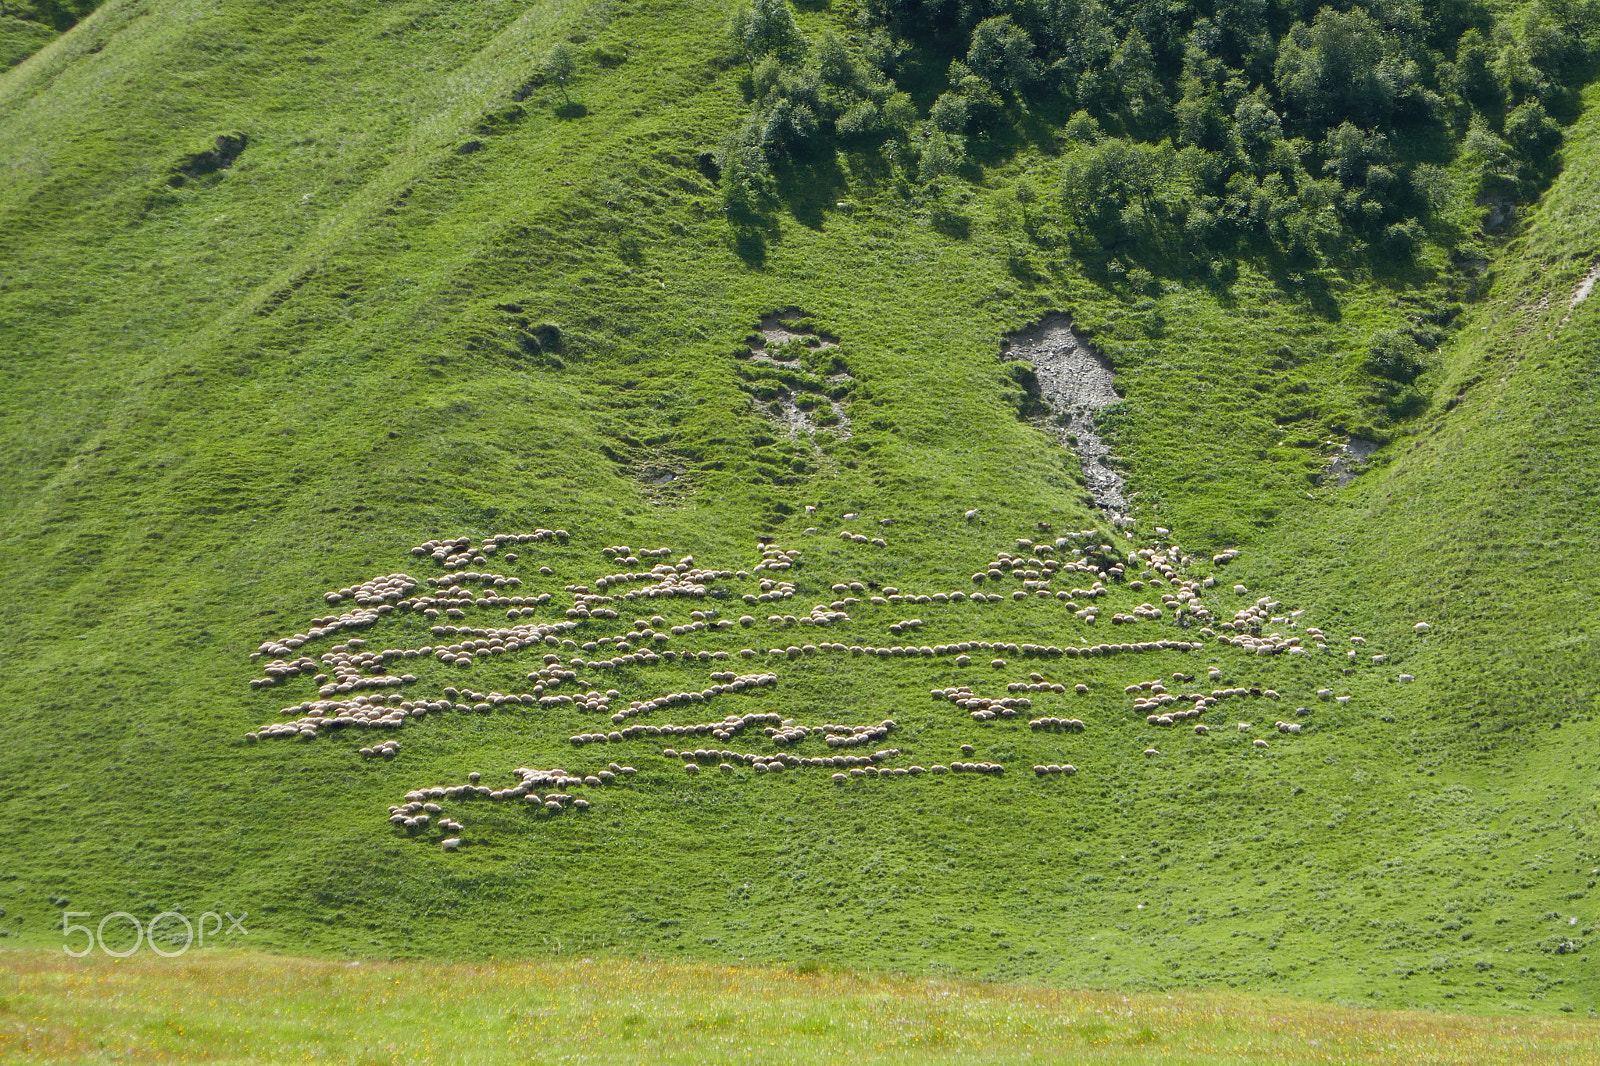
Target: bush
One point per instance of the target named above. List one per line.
(1401, 240)
(1395, 357)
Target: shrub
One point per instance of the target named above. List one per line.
(1395, 357)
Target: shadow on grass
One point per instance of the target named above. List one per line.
(750, 245)
(810, 184)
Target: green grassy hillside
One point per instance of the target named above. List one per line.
(283, 295)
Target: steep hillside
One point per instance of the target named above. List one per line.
(284, 297)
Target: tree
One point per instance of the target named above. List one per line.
(1258, 125)
(560, 67)
(764, 28)
(1533, 133)
(1351, 152)
(1002, 54)
(1491, 158)
(938, 155)
(1118, 189)
(1132, 72)
(1472, 76)
(1334, 68)
(746, 184)
(950, 113)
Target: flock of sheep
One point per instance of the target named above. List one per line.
(578, 632)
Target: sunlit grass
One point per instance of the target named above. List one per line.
(253, 1008)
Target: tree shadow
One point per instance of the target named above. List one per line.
(750, 245)
(570, 109)
(950, 222)
(809, 184)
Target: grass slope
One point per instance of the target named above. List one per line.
(229, 395)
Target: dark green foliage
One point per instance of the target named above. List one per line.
(1337, 69)
(1002, 54)
(1395, 357)
(1312, 133)
(560, 67)
(766, 28)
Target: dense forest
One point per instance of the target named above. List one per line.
(1301, 130)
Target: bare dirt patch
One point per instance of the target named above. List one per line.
(803, 405)
(1349, 460)
(1075, 384)
(780, 331)
(1581, 293)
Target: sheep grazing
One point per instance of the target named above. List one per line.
(1406, 679)
(1421, 627)
(358, 689)
(450, 843)
(1258, 742)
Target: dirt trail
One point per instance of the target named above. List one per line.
(1075, 382)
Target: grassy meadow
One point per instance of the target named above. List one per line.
(228, 394)
(252, 1008)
